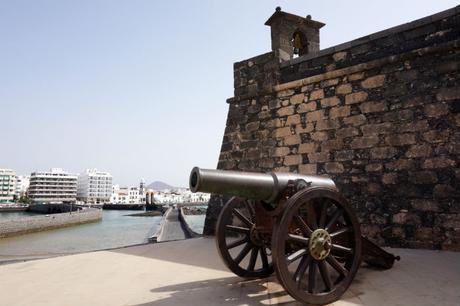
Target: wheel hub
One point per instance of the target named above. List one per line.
(255, 236)
(320, 244)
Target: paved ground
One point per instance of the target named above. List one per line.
(173, 229)
(190, 273)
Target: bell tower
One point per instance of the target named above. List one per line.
(293, 35)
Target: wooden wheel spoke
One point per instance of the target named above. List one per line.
(263, 256)
(237, 242)
(338, 212)
(301, 269)
(325, 275)
(298, 238)
(336, 265)
(341, 231)
(339, 248)
(312, 277)
(323, 214)
(312, 216)
(250, 208)
(238, 229)
(296, 255)
(303, 226)
(252, 260)
(243, 253)
(243, 218)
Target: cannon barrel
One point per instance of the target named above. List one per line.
(251, 185)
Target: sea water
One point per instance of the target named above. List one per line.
(116, 229)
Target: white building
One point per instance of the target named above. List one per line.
(180, 196)
(22, 184)
(55, 186)
(94, 186)
(127, 195)
(7, 185)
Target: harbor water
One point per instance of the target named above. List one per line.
(116, 229)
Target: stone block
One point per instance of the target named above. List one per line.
(400, 164)
(327, 125)
(283, 132)
(285, 111)
(436, 110)
(308, 169)
(285, 93)
(389, 178)
(419, 151)
(292, 140)
(329, 145)
(329, 102)
(252, 126)
(383, 152)
(347, 132)
(373, 107)
(356, 97)
(319, 136)
(442, 191)
(291, 160)
(297, 99)
(334, 167)
(416, 126)
(438, 162)
(317, 94)
(373, 82)
(423, 177)
(308, 147)
(307, 128)
(340, 111)
(373, 188)
(293, 120)
(315, 116)
(343, 89)
(356, 76)
(280, 151)
(356, 120)
(377, 129)
(329, 82)
(339, 56)
(306, 107)
(446, 94)
(344, 155)
(436, 136)
(319, 157)
(364, 142)
(374, 167)
(425, 205)
(400, 139)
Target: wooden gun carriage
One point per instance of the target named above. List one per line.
(297, 225)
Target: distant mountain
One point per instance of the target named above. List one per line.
(157, 185)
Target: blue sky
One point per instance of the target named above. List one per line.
(138, 88)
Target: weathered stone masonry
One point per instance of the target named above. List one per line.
(380, 115)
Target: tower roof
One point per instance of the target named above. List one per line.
(288, 16)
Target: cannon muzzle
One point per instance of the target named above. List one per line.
(266, 187)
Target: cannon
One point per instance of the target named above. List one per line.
(299, 226)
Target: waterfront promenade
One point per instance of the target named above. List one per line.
(190, 272)
(173, 228)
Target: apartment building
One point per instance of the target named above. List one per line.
(94, 186)
(54, 186)
(7, 185)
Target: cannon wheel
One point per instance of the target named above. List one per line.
(244, 251)
(317, 246)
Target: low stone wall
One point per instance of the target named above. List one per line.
(183, 219)
(34, 224)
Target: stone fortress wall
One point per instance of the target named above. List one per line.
(380, 115)
(40, 223)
